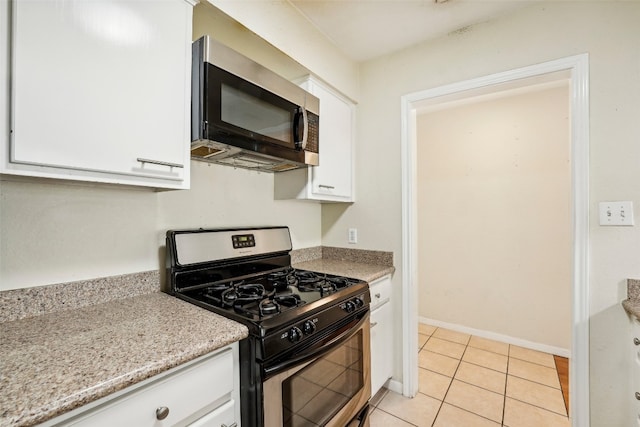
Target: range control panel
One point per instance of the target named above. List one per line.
(243, 241)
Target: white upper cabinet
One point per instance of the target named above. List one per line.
(332, 180)
(101, 91)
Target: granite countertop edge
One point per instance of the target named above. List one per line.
(632, 304)
(362, 264)
(92, 352)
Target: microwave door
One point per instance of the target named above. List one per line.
(240, 108)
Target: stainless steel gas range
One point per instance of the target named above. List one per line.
(306, 361)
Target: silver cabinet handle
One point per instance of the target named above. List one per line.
(636, 341)
(161, 163)
(330, 187)
(377, 295)
(162, 412)
(637, 395)
(232, 425)
(373, 325)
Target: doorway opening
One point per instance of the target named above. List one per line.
(575, 69)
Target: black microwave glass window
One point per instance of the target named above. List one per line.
(313, 396)
(253, 114)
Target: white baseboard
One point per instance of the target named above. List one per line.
(395, 386)
(559, 351)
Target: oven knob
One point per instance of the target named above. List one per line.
(308, 327)
(358, 302)
(350, 306)
(295, 334)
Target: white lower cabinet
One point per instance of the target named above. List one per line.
(381, 333)
(203, 393)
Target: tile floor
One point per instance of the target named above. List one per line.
(467, 381)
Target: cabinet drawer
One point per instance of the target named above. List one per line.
(223, 416)
(380, 292)
(188, 394)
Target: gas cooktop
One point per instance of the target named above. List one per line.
(246, 275)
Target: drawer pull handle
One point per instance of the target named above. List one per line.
(328, 187)
(373, 324)
(637, 395)
(636, 341)
(377, 295)
(232, 425)
(162, 412)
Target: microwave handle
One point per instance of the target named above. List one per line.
(301, 143)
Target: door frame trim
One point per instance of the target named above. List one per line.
(578, 68)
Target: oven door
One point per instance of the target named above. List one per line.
(327, 385)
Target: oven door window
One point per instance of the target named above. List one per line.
(316, 393)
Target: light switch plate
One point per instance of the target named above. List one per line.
(616, 213)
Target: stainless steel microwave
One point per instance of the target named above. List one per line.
(244, 115)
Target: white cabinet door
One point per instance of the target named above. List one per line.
(381, 333)
(334, 174)
(201, 393)
(332, 180)
(100, 90)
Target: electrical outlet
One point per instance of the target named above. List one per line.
(353, 235)
(616, 213)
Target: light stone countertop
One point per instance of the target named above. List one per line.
(360, 264)
(56, 362)
(356, 270)
(632, 303)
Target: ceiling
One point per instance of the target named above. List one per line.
(365, 29)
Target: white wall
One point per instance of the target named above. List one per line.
(53, 231)
(494, 226)
(608, 32)
(280, 23)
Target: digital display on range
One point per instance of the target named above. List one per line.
(243, 241)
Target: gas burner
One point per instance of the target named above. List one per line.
(251, 292)
(267, 307)
(282, 279)
(307, 276)
(341, 282)
(319, 285)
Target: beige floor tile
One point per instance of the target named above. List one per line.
(488, 359)
(534, 372)
(532, 356)
(422, 340)
(447, 348)
(449, 335)
(475, 399)
(433, 384)
(545, 397)
(451, 416)
(481, 377)
(420, 411)
(380, 418)
(489, 345)
(437, 363)
(425, 329)
(519, 414)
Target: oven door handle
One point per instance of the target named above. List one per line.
(314, 353)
